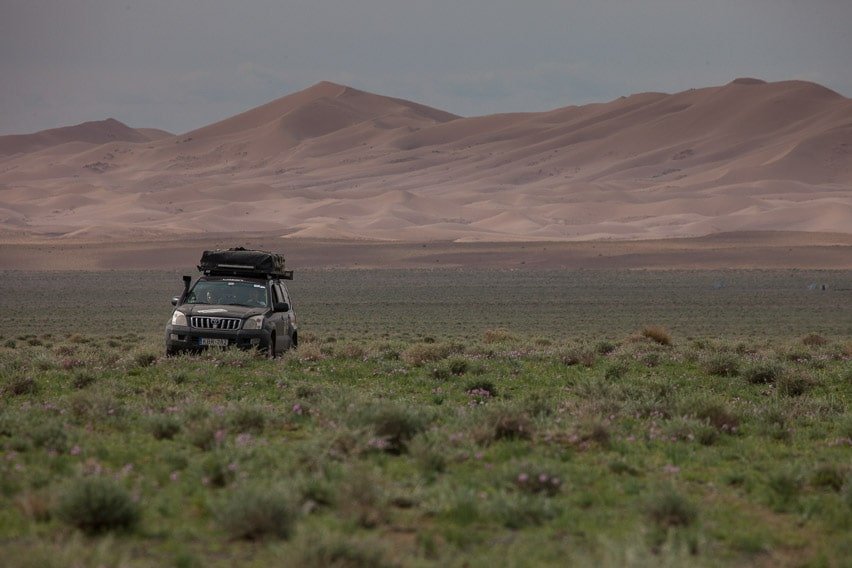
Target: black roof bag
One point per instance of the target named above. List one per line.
(242, 262)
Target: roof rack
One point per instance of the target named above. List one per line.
(283, 275)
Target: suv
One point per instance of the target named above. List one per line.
(240, 300)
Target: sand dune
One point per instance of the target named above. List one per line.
(336, 162)
(95, 132)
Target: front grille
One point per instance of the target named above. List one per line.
(206, 322)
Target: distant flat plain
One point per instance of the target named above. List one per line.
(442, 302)
(742, 250)
(741, 284)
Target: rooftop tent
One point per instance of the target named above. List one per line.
(242, 262)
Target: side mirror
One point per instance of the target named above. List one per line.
(175, 300)
(285, 307)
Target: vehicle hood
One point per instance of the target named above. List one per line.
(221, 311)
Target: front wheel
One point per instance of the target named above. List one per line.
(271, 349)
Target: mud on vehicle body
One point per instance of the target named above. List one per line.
(239, 301)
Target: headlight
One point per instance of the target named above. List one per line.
(254, 322)
(179, 318)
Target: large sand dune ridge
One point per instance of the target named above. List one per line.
(336, 162)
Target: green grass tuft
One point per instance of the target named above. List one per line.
(668, 508)
(256, 513)
(96, 505)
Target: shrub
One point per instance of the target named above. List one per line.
(794, 384)
(35, 506)
(249, 419)
(518, 511)
(499, 335)
(253, 513)
(88, 405)
(457, 366)
(429, 454)
(579, 356)
(81, 380)
(774, 423)
(363, 497)
(763, 373)
(308, 391)
(441, 373)
(785, 486)
(814, 340)
(668, 508)
(317, 491)
(51, 436)
(336, 551)
(657, 333)
(206, 435)
(605, 347)
(798, 355)
(352, 351)
(713, 411)
(620, 467)
(10, 343)
(830, 476)
(538, 404)
(219, 470)
(463, 508)
(97, 505)
(20, 386)
(420, 353)
(392, 425)
(145, 359)
(504, 423)
(65, 350)
(722, 364)
(692, 430)
(590, 431)
(164, 427)
(615, 371)
(309, 352)
(483, 388)
(650, 359)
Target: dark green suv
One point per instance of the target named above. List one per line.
(240, 301)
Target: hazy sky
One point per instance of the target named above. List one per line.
(180, 64)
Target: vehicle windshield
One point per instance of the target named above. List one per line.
(228, 293)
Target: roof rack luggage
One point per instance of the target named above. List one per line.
(244, 262)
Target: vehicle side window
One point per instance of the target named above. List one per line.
(284, 293)
(277, 292)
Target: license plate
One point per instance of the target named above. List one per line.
(213, 342)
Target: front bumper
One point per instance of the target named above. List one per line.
(183, 338)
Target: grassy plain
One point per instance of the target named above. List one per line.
(460, 303)
(434, 418)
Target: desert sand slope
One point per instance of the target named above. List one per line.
(336, 162)
(94, 132)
